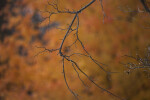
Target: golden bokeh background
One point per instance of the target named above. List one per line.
(27, 74)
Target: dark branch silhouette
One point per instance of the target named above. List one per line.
(145, 5)
(66, 57)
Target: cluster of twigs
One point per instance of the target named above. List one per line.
(66, 57)
(140, 62)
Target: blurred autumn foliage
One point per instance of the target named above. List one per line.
(24, 75)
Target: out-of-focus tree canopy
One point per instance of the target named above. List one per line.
(24, 75)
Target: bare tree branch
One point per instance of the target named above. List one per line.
(76, 96)
(145, 5)
(70, 30)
